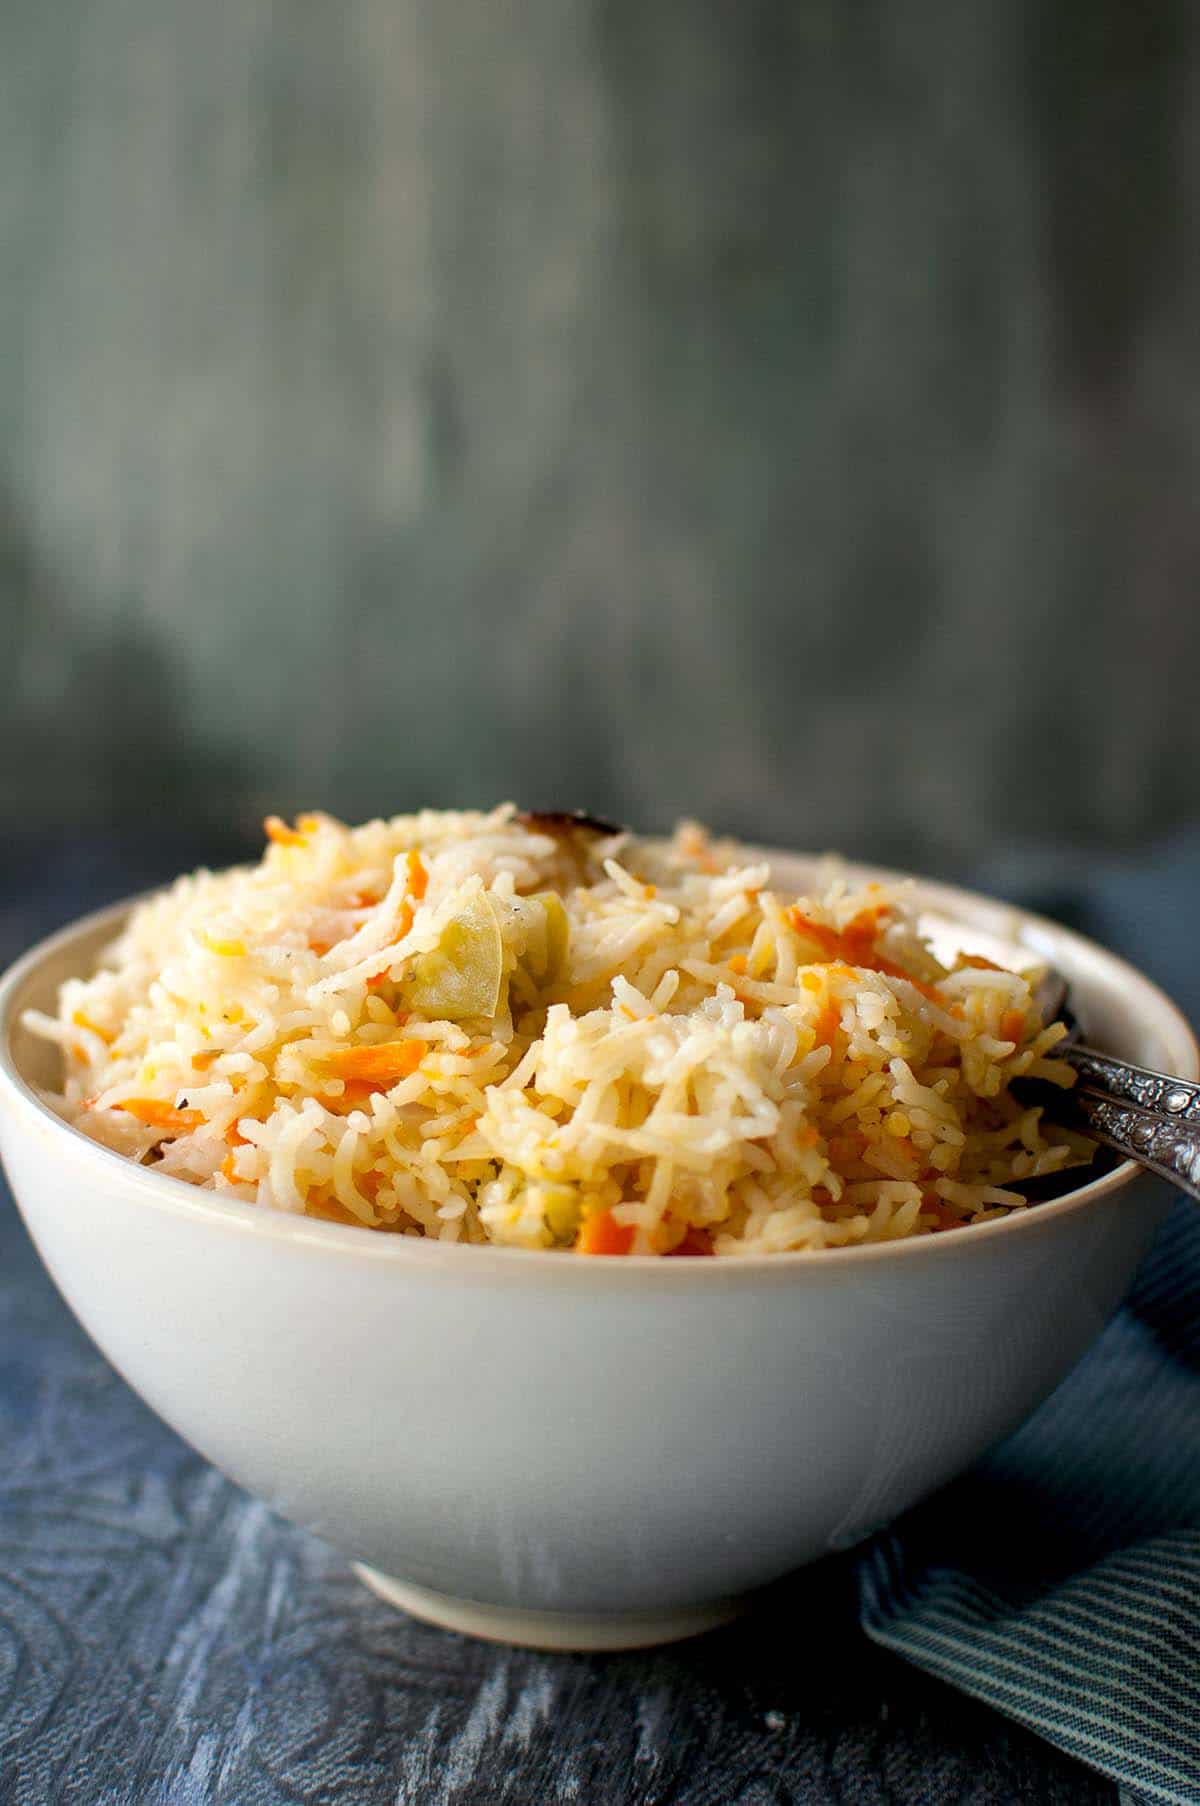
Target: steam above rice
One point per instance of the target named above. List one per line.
(490, 1027)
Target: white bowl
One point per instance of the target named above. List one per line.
(580, 1453)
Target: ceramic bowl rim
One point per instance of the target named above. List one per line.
(175, 1197)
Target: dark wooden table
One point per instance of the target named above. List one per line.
(166, 1641)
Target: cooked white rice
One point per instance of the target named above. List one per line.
(488, 1027)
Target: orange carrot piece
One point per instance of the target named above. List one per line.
(827, 939)
(738, 963)
(855, 944)
(157, 1115)
(602, 1234)
(227, 1171)
(384, 1064)
(418, 877)
(1012, 1026)
(978, 962)
(851, 943)
(890, 969)
(827, 1025)
(354, 1093)
(277, 830)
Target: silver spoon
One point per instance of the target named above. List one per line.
(1146, 1116)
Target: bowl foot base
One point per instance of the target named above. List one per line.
(549, 1630)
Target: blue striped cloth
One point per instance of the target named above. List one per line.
(1060, 1579)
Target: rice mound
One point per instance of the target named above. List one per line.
(515, 1029)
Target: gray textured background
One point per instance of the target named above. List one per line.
(784, 410)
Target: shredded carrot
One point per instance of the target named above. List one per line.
(977, 960)
(418, 877)
(650, 891)
(1012, 1026)
(354, 1093)
(808, 1136)
(234, 1135)
(384, 1064)
(602, 1234)
(204, 1059)
(827, 1025)
(855, 944)
(362, 899)
(380, 978)
(890, 969)
(227, 1171)
(277, 830)
(696, 1241)
(850, 943)
(738, 963)
(320, 948)
(157, 1115)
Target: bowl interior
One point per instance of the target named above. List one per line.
(71, 954)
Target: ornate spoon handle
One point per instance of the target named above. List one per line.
(1147, 1116)
(1154, 1091)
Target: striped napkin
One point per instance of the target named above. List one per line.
(1060, 1579)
